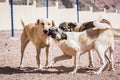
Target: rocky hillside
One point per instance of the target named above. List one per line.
(98, 5)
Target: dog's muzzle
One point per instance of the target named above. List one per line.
(45, 31)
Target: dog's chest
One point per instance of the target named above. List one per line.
(68, 47)
(42, 42)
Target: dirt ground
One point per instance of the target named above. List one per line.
(10, 60)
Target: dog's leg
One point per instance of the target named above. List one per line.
(56, 59)
(107, 57)
(38, 49)
(111, 59)
(101, 53)
(76, 63)
(47, 53)
(90, 55)
(24, 42)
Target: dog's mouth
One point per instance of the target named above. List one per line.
(45, 31)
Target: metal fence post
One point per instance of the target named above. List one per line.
(77, 2)
(12, 19)
(46, 8)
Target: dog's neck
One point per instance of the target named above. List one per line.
(63, 35)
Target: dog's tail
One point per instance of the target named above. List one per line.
(116, 33)
(22, 23)
(100, 25)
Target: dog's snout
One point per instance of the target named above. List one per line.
(45, 31)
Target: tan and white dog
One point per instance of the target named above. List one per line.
(35, 32)
(70, 27)
(76, 44)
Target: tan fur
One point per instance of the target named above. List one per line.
(34, 32)
(83, 38)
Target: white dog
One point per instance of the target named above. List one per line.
(75, 44)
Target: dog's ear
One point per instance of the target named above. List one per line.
(72, 25)
(53, 23)
(64, 36)
(38, 22)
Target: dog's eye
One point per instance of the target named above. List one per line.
(42, 23)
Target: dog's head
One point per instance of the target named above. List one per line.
(57, 33)
(46, 24)
(105, 21)
(67, 27)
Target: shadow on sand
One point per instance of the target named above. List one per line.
(56, 70)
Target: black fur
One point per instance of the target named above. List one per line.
(53, 31)
(67, 26)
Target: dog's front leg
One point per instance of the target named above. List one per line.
(47, 53)
(38, 58)
(59, 58)
(76, 62)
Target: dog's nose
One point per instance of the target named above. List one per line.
(45, 31)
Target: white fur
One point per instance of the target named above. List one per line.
(100, 25)
(73, 46)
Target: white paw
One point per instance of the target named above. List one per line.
(113, 69)
(73, 72)
(96, 72)
(51, 64)
(21, 66)
(40, 67)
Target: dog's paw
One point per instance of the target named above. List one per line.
(50, 65)
(47, 67)
(112, 69)
(40, 67)
(73, 72)
(91, 65)
(96, 72)
(21, 66)
(38, 70)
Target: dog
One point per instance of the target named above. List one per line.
(70, 27)
(78, 43)
(35, 32)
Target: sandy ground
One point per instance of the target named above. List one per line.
(10, 59)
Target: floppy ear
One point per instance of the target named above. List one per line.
(66, 24)
(64, 36)
(72, 24)
(53, 23)
(38, 22)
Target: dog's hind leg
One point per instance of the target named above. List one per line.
(90, 55)
(101, 52)
(111, 60)
(24, 42)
